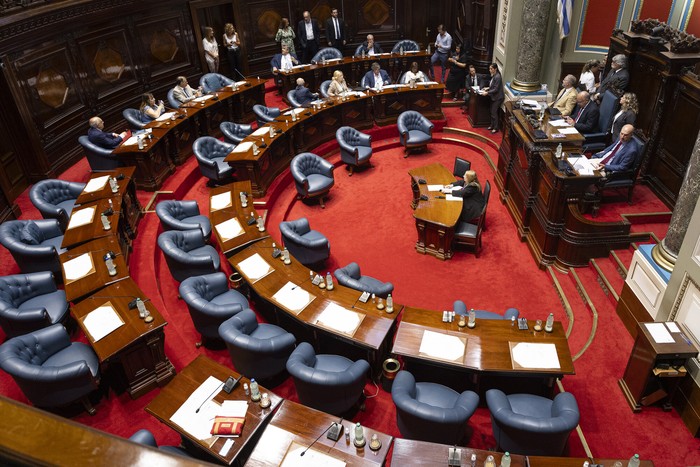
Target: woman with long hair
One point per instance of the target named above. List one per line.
(285, 35)
(589, 73)
(629, 107)
(338, 85)
(211, 50)
(469, 189)
(232, 43)
(149, 110)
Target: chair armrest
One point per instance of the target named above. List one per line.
(327, 168)
(404, 386)
(50, 228)
(305, 354)
(205, 160)
(315, 243)
(365, 140)
(498, 402)
(357, 370)
(564, 405)
(194, 238)
(190, 208)
(37, 317)
(144, 437)
(275, 112)
(468, 400)
(75, 188)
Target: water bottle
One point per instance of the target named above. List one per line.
(244, 199)
(254, 390)
(472, 319)
(389, 304)
(261, 224)
(105, 222)
(505, 460)
(140, 141)
(549, 325)
(401, 50)
(359, 434)
(256, 151)
(285, 256)
(141, 307)
(111, 268)
(557, 153)
(634, 461)
(113, 184)
(272, 132)
(329, 281)
(111, 204)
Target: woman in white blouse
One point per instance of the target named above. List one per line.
(211, 50)
(589, 75)
(338, 85)
(232, 44)
(414, 75)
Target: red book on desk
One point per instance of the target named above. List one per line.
(227, 426)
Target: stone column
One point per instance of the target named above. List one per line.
(666, 252)
(531, 45)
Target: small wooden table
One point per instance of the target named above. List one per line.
(435, 217)
(99, 277)
(297, 423)
(172, 396)
(136, 347)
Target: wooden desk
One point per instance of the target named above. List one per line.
(297, 423)
(424, 98)
(411, 452)
(435, 218)
(479, 109)
(644, 383)
(153, 164)
(173, 395)
(488, 347)
(76, 235)
(236, 210)
(543, 201)
(137, 348)
(372, 337)
(99, 278)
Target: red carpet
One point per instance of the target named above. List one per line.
(368, 220)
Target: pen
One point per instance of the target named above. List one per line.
(685, 338)
(527, 461)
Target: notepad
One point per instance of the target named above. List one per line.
(243, 147)
(78, 268)
(659, 333)
(165, 116)
(568, 130)
(255, 268)
(311, 458)
(534, 356)
(293, 298)
(296, 111)
(101, 321)
(443, 346)
(81, 217)
(340, 319)
(437, 187)
(262, 131)
(203, 98)
(241, 83)
(229, 229)
(221, 201)
(96, 184)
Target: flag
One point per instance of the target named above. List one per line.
(564, 11)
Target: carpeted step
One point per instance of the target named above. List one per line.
(608, 277)
(580, 321)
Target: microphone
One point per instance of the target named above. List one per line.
(311, 277)
(319, 437)
(439, 197)
(75, 255)
(218, 388)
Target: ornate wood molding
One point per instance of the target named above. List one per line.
(678, 41)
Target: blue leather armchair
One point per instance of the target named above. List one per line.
(258, 350)
(182, 215)
(55, 198)
(174, 103)
(99, 158)
(212, 82)
(598, 140)
(187, 253)
(234, 133)
(329, 383)
(355, 147)
(210, 302)
(326, 53)
(430, 411)
(532, 425)
(324, 88)
(460, 308)
(35, 245)
(313, 176)
(307, 246)
(407, 44)
(146, 438)
(29, 302)
(51, 370)
(292, 99)
(133, 118)
(415, 131)
(623, 179)
(350, 276)
(210, 154)
(265, 115)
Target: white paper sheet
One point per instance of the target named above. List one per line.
(96, 184)
(78, 267)
(582, 165)
(81, 217)
(245, 146)
(429, 82)
(231, 408)
(435, 187)
(262, 131)
(220, 201)
(229, 229)
(339, 318)
(568, 130)
(241, 83)
(311, 458)
(296, 67)
(296, 111)
(331, 60)
(659, 333)
(293, 297)
(255, 267)
(672, 326)
(203, 98)
(532, 355)
(449, 197)
(101, 321)
(531, 103)
(411, 51)
(559, 123)
(442, 346)
(165, 116)
(131, 141)
(199, 424)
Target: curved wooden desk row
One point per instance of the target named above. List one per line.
(353, 68)
(314, 127)
(171, 142)
(135, 348)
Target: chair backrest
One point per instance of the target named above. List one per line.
(208, 147)
(407, 44)
(234, 133)
(291, 97)
(482, 218)
(410, 120)
(265, 114)
(211, 82)
(640, 155)
(133, 117)
(324, 88)
(461, 166)
(326, 53)
(348, 135)
(358, 50)
(99, 158)
(174, 103)
(307, 163)
(607, 109)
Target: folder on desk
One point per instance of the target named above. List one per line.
(96, 184)
(243, 147)
(443, 346)
(220, 201)
(255, 268)
(293, 298)
(77, 268)
(529, 355)
(229, 229)
(337, 318)
(81, 217)
(101, 321)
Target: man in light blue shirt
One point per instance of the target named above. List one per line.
(443, 45)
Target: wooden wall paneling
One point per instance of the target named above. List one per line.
(262, 19)
(211, 13)
(14, 147)
(376, 17)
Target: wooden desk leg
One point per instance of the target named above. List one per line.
(634, 405)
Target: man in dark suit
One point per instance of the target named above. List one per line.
(102, 138)
(473, 80)
(376, 78)
(495, 91)
(308, 34)
(335, 30)
(302, 93)
(369, 47)
(616, 80)
(619, 156)
(585, 115)
(283, 61)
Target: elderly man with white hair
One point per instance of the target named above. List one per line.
(617, 79)
(566, 99)
(302, 93)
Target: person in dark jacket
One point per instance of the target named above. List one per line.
(469, 190)
(101, 138)
(495, 91)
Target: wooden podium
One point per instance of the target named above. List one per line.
(655, 369)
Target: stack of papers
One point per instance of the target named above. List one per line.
(198, 424)
(430, 82)
(262, 131)
(229, 229)
(311, 457)
(443, 346)
(438, 188)
(243, 147)
(202, 98)
(537, 356)
(220, 201)
(96, 184)
(131, 141)
(81, 217)
(559, 123)
(78, 268)
(532, 104)
(340, 319)
(582, 165)
(293, 298)
(255, 268)
(102, 321)
(241, 83)
(165, 116)
(296, 111)
(568, 130)
(659, 333)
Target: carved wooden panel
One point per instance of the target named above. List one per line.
(264, 20)
(164, 40)
(647, 85)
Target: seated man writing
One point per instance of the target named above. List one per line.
(302, 93)
(619, 156)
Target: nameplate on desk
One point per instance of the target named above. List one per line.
(311, 457)
(443, 346)
(255, 268)
(221, 201)
(96, 184)
(101, 321)
(229, 229)
(77, 268)
(337, 318)
(81, 217)
(293, 298)
(534, 356)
